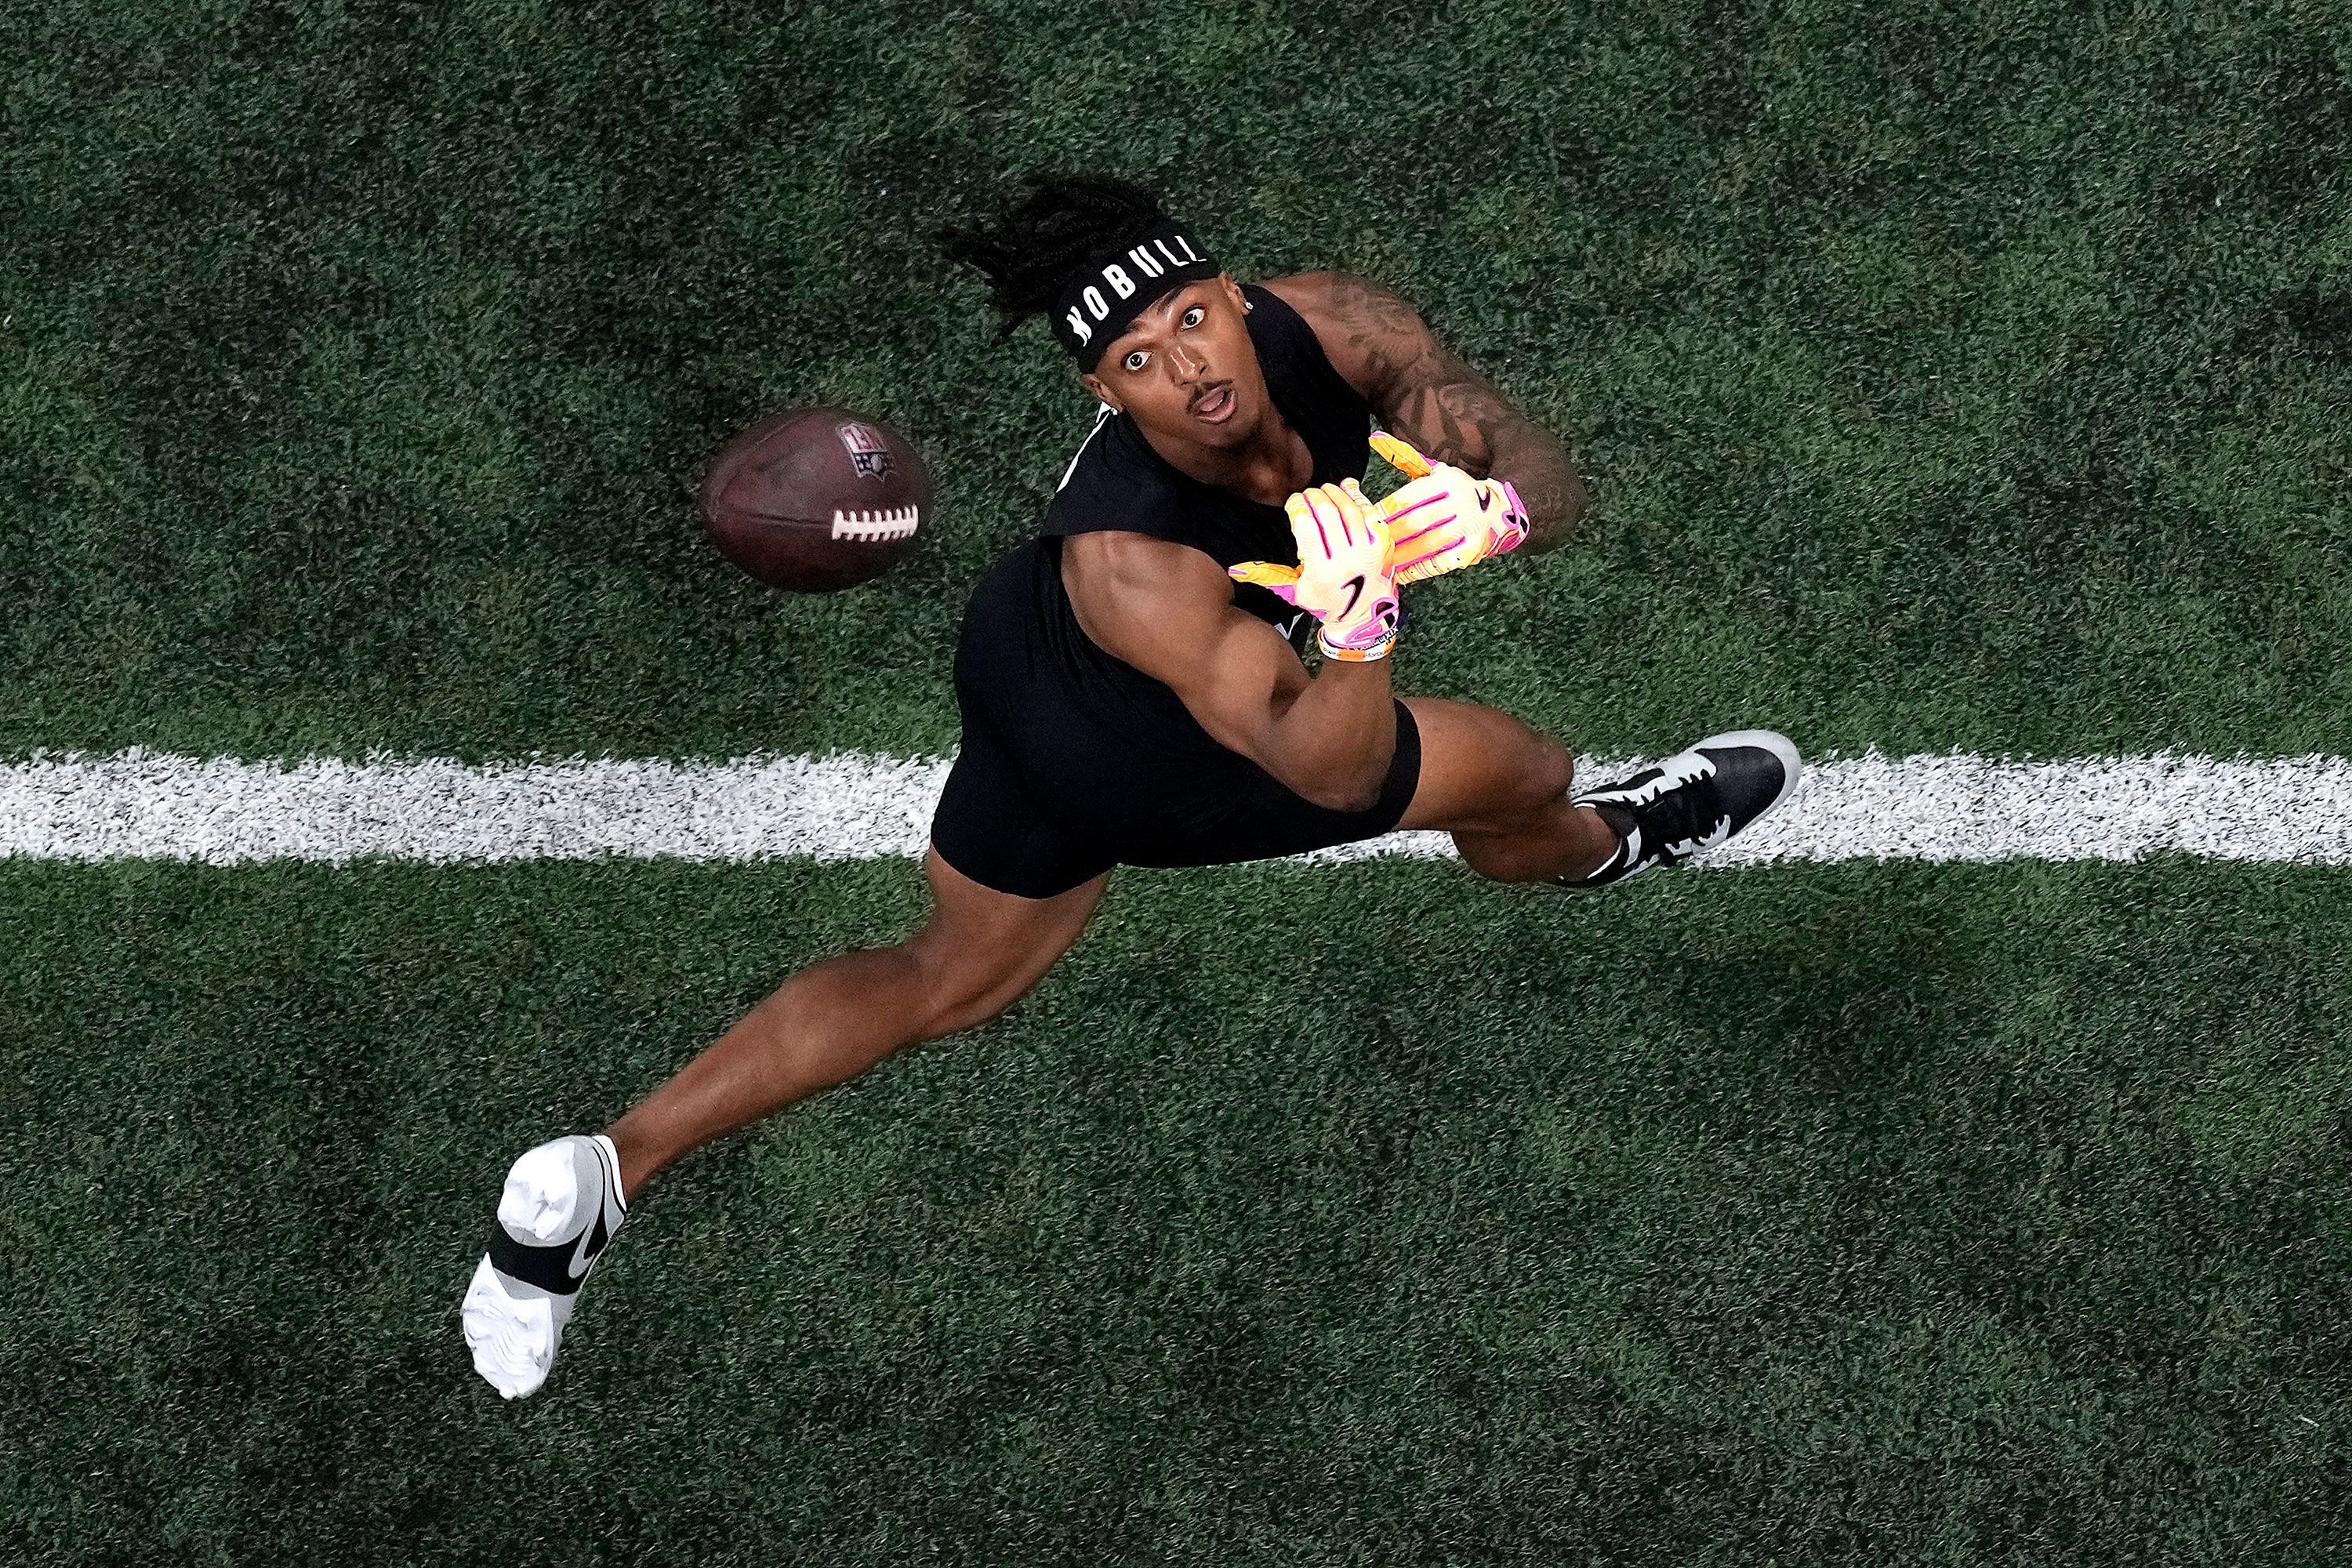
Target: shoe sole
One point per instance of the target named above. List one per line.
(501, 1312)
(503, 1334)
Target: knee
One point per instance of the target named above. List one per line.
(1552, 771)
(957, 994)
(1520, 842)
(969, 1008)
(1539, 777)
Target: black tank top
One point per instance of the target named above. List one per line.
(1117, 481)
(1082, 726)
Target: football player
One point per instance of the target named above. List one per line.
(1134, 689)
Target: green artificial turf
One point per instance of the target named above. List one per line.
(1845, 1215)
(1949, 375)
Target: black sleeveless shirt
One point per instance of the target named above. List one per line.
(1117, 481)
(1109, 755)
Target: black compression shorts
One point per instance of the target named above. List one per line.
(996, 830)
(1074, 763)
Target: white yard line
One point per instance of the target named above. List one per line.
(855, 807)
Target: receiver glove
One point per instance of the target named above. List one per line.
(1342, 576)
(1443, 518)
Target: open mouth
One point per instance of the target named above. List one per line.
(1216, 406)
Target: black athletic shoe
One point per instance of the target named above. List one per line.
(1693, 800)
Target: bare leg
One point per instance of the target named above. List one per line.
(978, 953)
(1501, 789)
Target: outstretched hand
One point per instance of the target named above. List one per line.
(1343, 577)
(1443, 518)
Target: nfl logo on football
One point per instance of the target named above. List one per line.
(866, 452)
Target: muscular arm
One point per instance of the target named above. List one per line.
(1169, 610)
(1424, 392)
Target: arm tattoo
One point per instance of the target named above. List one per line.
(1424, 392)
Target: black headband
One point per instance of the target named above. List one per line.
(1101, 300)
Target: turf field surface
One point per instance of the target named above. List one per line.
(1845, 1214)
(1948, 377)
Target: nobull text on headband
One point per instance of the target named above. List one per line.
(1101, 300)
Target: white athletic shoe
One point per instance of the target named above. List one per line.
(557, 1216)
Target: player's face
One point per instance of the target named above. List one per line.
(1187, 370)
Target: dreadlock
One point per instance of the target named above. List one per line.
(1055, 225)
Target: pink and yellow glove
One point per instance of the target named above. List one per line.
(1442, 519)
(1342, 576)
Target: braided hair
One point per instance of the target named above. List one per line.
(1055, 225)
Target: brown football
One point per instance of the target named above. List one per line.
(816, 499)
